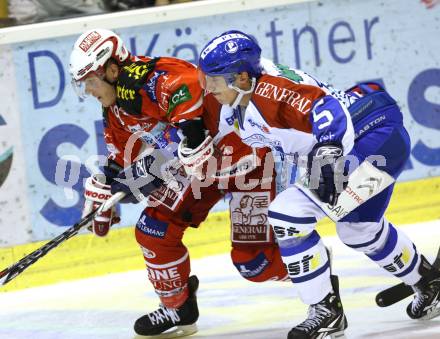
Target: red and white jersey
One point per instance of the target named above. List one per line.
(151, 95)
(150, 123)
(290, 111)
(165, 88)
(224, 128)
(243, 158)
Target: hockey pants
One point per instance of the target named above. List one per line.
(254, 253)
(294, 216)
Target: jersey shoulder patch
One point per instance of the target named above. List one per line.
(131, 80)
(289, 73)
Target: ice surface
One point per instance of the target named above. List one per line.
(230, 307)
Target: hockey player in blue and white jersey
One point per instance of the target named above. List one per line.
(353, 145)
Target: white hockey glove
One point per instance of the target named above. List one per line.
(97, 192)
(193, 160)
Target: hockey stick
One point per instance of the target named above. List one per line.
(15, 269)
(400, 291)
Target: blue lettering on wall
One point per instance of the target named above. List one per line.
(273, 33)
(332, 41)
(149, 51)
(47, 161)
(186, 46)
(425, 113)
(367, 28)
(297, 36)
(101, 146)
(32, 56)
(311, 37)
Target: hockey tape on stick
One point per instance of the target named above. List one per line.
(15, 269)
(364, 183)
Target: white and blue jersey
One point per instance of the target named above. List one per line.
(291, 112)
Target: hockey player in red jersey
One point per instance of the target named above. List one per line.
(148, 104)
(353, 146)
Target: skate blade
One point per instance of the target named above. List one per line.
(175, 332)
(336, 335)
(431, 315)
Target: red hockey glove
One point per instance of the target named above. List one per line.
(97, 192)
(195, 160)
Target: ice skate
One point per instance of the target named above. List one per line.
(171, 323)
(426, 303)
(326, 319)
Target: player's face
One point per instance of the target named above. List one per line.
(219, 88)
(100, 89)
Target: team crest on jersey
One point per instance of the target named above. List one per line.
(289, 73)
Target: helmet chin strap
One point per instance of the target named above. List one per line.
(241, 92)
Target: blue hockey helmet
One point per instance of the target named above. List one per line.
(229, 53)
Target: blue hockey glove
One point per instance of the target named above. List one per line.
(324, 171)
(111, 170)
(138, 180)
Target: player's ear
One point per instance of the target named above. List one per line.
(111, 71)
